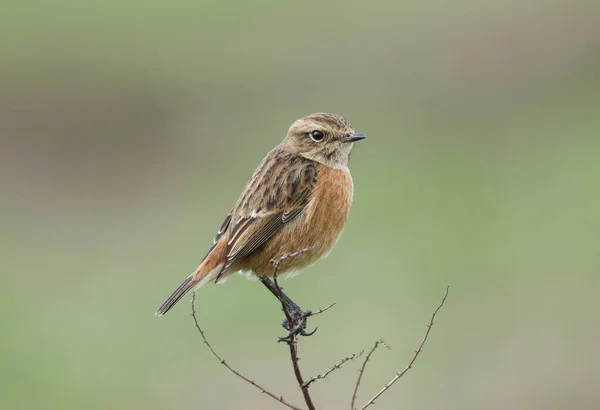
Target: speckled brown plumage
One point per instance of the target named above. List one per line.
(298, 198)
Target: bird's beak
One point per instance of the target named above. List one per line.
(353, 138)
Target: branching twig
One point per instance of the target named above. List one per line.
(334, 367)
(286, 256)
(325, 309)
(238, 374)
(292, 339)
(362, 370)
(292, 343)
(409, 366)
(297, 322)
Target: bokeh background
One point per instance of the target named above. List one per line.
(128, 129)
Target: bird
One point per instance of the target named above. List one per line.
(292, 210)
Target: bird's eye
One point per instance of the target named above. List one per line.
(317, 135)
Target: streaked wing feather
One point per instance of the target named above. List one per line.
(285, 184)
(270, 226)
(223, 228)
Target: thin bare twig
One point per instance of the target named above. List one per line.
(292, 339)
(325, 309)
(417, 352)
(334, 367)
(286, 256)
(224, 363)
(292, 342)
(362, 370)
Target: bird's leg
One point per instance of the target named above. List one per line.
(297, 315)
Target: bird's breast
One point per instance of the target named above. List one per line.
(322, 223)
(329, 207)
(314, 233)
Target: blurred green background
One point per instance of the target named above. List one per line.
(128, 129)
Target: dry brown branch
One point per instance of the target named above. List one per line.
(297, 323)
(334, 367)
(362, 370)
(325, 309)
(292, 339)
(231, 369)
(410, 364)
(286, 256)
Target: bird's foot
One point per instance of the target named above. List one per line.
(297, 326)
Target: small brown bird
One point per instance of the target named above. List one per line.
(296, 202)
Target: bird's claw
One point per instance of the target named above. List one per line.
(298, 325)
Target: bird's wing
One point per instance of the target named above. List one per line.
(278, 192)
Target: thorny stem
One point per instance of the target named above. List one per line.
(325, 309)
(334, 367)
(362, 370)
(417, 352)
(231, 369)
(292, 342)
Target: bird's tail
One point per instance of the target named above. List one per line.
(200, 277)
(187, 285)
